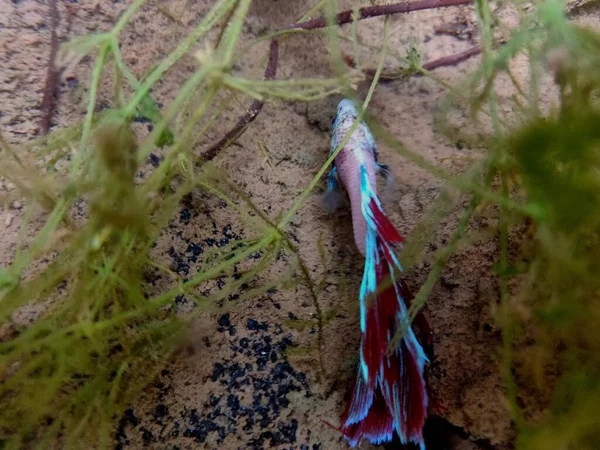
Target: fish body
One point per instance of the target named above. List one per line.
(389, 394)
(358, 155)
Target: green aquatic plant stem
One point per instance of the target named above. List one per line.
(487, 172)
(384, 50)
(508, 333)
(41, 239)
(210, 68)
(315, 299)
(8, 149)
(160, 176)
(216, 13)
(268, 257)
(235, 28)
(213, 272)
(308, 89)
(320, 5)
(126, 17)
(335, 51)
(87, 124)
(122, 67)
(283, 35)
(485, 19)
(105, 48)
(489, 68)
(173, 109)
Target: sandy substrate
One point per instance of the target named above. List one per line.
(249, 378)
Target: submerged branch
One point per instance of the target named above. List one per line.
(445, 61)
(47, 107)
(252, 111)
(368, 12)
(452, 60)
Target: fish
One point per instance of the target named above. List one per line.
(390, 393)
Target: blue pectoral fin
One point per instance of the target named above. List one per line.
(384, 171)
(333, 197)
(333, 181)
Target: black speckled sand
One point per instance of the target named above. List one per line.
(254, 384)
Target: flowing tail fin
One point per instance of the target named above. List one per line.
(390, 393)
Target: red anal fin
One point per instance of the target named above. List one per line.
(381, 322)
(385, 228)
(415, 396)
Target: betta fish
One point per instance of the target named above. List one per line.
(390, 393)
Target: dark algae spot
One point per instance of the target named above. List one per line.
(254, 325)
(224, 320)
(160, 412)
(218, 370)
(154, 160)
(185, 215)
(147, 437)
(128, 420)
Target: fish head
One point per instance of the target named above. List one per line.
(347, 107)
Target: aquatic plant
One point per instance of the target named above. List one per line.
(102, 333)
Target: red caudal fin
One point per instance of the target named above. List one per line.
(390, 392)
(377, 425)
(393, 396)
(401, 372)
